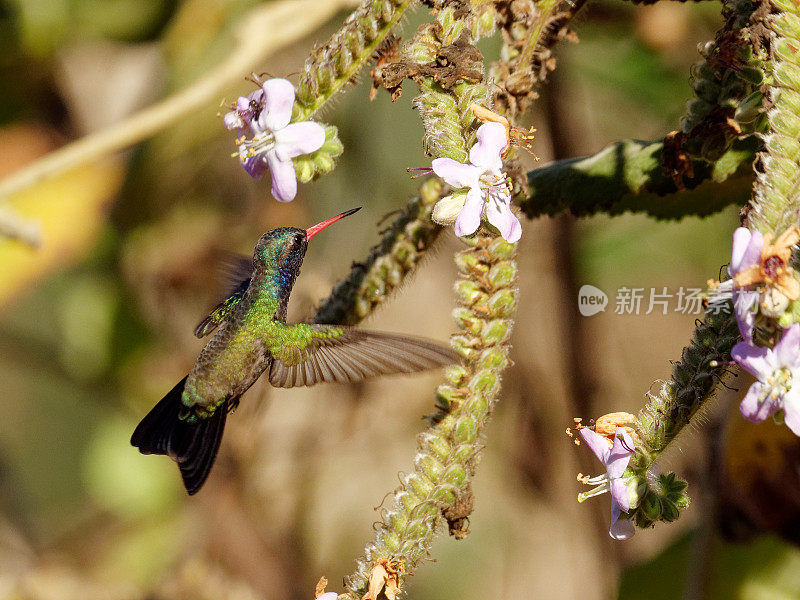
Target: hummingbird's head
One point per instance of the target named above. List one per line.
(282, 250)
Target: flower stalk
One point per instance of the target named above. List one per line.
(330, 68)
(775, 204)
(727, 103)
(448, 452)
(449, 123)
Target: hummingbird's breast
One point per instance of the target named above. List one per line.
(232, 361)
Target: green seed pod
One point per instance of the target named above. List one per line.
(751, 75)
(443, 496)
(369, 27)
(749, 109)
(416, 530)
(456, 374)
(499, 249)
(429, 465)
(449, 395)
(650, 507)
(362, 307)
(485, 382)
(466, 430)
(502, 274)
(303, 170)
(436, 445)
(375, 289)
(706, 89)
(323, 162)
(462, 345)
(406, 501)
(496, 331)
(468, 292)
(354, 41)
(461, 455)
(478, 404)
(454, 475)
(342, 59)
(404, 253)
(420, 485)
(468, 263)
(492, 358)
(391, 540)
(397, 520)
(785, 123)
(466, 321)
(502, 303)
(308, 90)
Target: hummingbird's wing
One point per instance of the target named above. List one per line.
(307, 354)
(237, 270)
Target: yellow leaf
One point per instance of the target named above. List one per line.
(71, 210)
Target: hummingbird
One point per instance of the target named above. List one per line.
(252, 337)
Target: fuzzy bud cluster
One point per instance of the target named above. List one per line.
(776, 199)
(446, 114)
(332, 66)
(668, 410)
(726, 83)
(310, 166)
(662, 499)
(447, 453)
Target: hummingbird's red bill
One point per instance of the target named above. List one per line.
(315, 229)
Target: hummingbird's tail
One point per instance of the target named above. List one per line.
(192, 445)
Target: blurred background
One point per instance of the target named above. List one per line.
(96, 325)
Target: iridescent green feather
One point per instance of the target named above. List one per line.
(221, 311)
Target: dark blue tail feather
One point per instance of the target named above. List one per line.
(193, 445)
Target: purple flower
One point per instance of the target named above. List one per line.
(746, 250)
(615, 458)
(776, 369)
(267, 139)
(487, 188)
(746, 253)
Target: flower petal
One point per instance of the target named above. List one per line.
(597, 444)
(233, 120)
(788, 285)
(620, 494)
(328, 596)
(754, 360)
(620, 454)
(278, 102)
(746, 250)
(284, 181)
(298, 138)
(492, 140)
(255, 166)
(469, 219)
(787, 351)
(499, 214)
(743, 303)
(446, 210)
(455, 173)
(621, 529)
(753, 408)
(791, 409)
